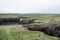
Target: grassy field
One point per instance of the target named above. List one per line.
(18, 32)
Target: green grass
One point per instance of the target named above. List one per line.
(3, 35)
(18, 32)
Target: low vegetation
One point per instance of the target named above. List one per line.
(18, 32)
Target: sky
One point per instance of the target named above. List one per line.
(29, 6)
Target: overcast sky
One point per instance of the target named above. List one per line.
(29, 6)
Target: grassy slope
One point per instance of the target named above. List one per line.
(17, 32)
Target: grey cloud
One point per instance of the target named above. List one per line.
(30, 6)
